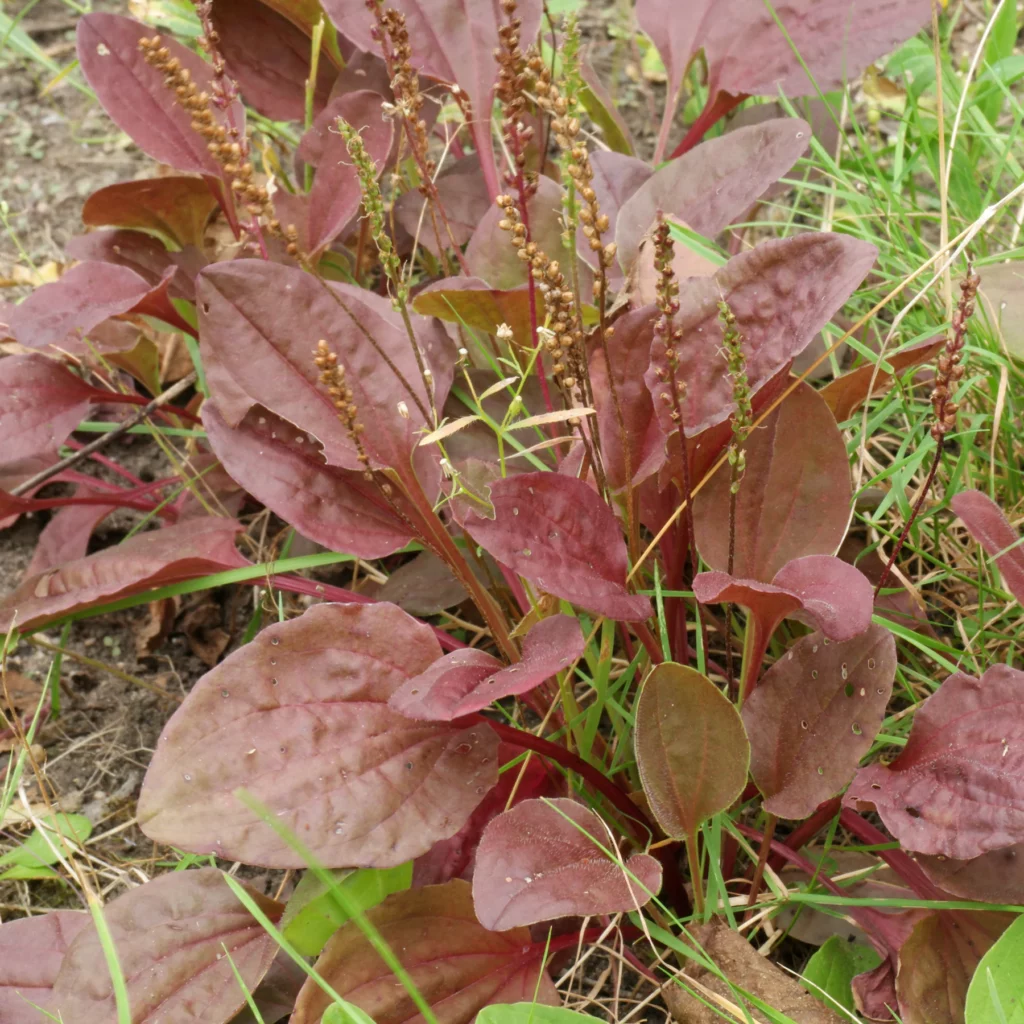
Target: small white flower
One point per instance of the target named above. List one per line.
(403, 410)
(504, 332)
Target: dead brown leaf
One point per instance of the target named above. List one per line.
(203, 628)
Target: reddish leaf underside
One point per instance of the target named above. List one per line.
(986, 523)
(146, 561)
(65, 537)
(283, 468)
(793, 499)
(814, 715)
(42, 404)
(299, 719)
(31, 951)
(691, 748)
(546, 859)
(457, 964)
(956, 789)
(171, 935)
(469, 680)
(556, 531)
(782, 293)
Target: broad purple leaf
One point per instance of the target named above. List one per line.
(458, 965)
(62, 313)
(469, 680)
(814, 715)
(782, 293)
(713, 184)
(691, 749)
(284, 469)
(793, 499)
(143, 254)
(299, 718)
(453, 42)
(630, 351)
(472, 302)
(171, 937)
(546, 859)
(268, 55)
(986, 523)
(260, 324)
(955, 790)
(176, 208)
(336, 195)
(43, 403)
(148, 560)
(560, 535)
(836, 597)
(31, 951)
(66, 536)
(135, 96)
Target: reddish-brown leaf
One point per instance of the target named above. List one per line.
(956, 790)
(937, 962)
(284, 469)
(176, 208)
(793, 499)
(260, 324)
(171, 937)
(714, 183)
(454, 43)
(782, 293)
(268, 55)
(299, 718)
(148, 560)
(986, 523)
(423, 586)
(458, 965)
(469, 680)
(560, 535)
(847, 393)
(43, 403)
(994, 877)
(66, 536)
(546, 859)
(691, 748)
(814, 715)
(31, 951)
(134, 94)
(474, 303)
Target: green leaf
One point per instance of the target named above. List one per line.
(528, 1013)
(833, 967)
(36, 850)
(996, 994)
(23, 873)
(345, 1013)
(313, 914)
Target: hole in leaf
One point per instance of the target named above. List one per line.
(913, 812)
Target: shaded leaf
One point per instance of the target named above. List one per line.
(559, 534)
(284, 469)
(847, 393)
(713, 184)
(469, 680)
(171, 936)
(475, 304)
(147, 560)
(134, 94)
(249, 310)
(937, 961)
(276, 993)
(174, 208)
(546, 859)
(423, 586)
(603, 111)
(996, 991)
(986, 523)
(31, 951)
(748, 974)
(782, 293)
(268, 55)
(814, 715)
(955, 790)
(456, 963)
(691, 749)
(833, 967)
(43, 403)
(994, 877)
(793, 499)
(299, 719)
(66, 536)
(313, 913)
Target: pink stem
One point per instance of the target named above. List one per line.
(712, 112)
